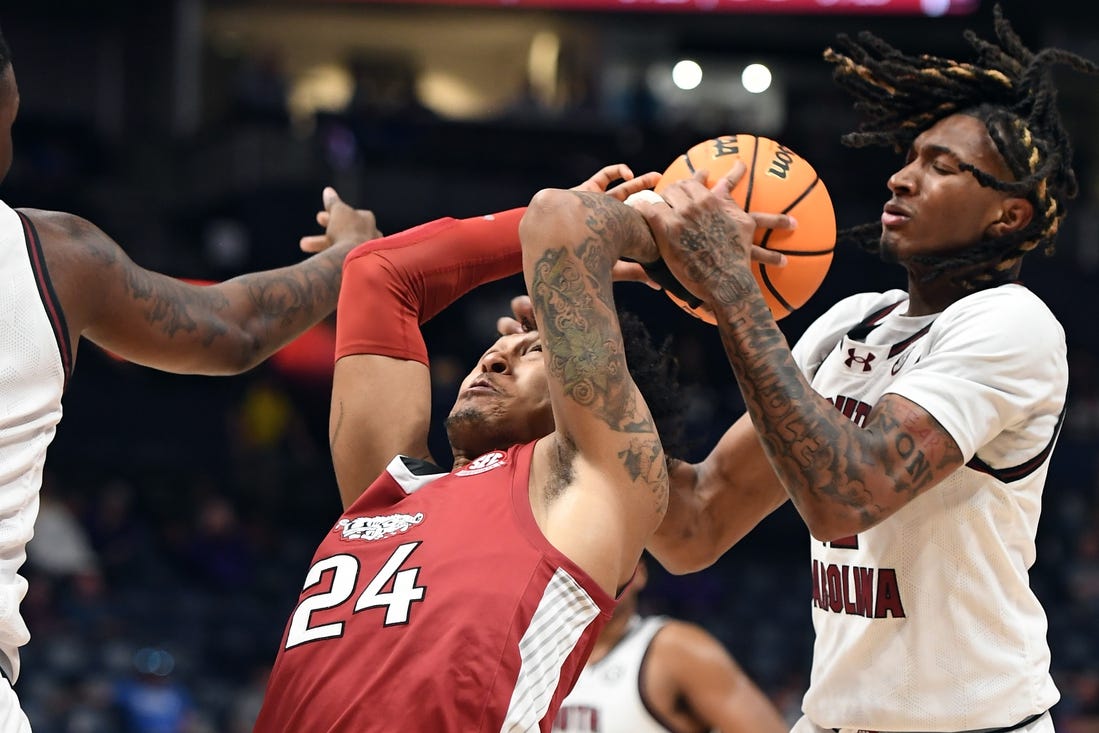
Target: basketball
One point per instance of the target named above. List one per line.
(778, 181)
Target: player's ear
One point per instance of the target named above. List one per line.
(1015, 213)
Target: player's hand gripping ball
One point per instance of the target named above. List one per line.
(778, 181)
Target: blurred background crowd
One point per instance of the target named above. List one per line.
(180, 513)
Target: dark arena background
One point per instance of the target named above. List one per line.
(179, 513)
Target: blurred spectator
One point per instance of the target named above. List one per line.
(60, 546)
(152, 701)
(217, 551)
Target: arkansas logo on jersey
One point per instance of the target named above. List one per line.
(487, 462)
(377, 528)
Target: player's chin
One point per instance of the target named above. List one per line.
(889, 248)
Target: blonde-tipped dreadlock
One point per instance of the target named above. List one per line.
(1009, 88)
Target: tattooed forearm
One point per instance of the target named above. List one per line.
(581, 337)
(259, 312)
(829, 465)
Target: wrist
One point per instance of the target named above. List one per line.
(660, 274)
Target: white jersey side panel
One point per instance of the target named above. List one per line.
(32, 379)
(607, 695)
(926, 622)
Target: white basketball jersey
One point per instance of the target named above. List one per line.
(34, 359)
(607, 695)
(926, 622)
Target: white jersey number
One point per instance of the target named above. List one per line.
(345, 575)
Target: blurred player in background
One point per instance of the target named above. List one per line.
(911, 429)
(63, 279)
(659, 675)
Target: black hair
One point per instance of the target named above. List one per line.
(5, 54)
(1007, 87)
(655, 371)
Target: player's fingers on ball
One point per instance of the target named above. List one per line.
(727, 182)
(766, 256)
(773, 221)
(323, 217)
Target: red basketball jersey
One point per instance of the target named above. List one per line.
(436, 604)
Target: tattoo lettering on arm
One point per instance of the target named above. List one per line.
(821, 457)
(829, 466)
(918, 452)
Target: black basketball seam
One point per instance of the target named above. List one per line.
(751, 174)
(797, 200)
(690, 165)
(802, 252)
(774, 291)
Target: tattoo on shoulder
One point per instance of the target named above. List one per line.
(644, 461)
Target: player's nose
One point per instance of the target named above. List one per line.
(495, 361)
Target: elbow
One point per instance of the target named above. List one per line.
(241, 349)
(684, 559)
(832, 526)
(549, 212)
(685, 552)
(686, 563)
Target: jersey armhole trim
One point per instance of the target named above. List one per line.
(649, 707)
(49, 297)
(1021, 471)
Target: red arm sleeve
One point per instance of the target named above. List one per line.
(393, 285)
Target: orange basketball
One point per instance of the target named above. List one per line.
(778, 181)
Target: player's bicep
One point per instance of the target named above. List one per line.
(915, 453)
(381, 407)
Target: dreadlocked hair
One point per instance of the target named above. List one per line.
(5, 54)
(655, 371)
(1007, 87)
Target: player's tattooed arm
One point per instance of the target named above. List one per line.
(166, 323)
(570, 286)
(842, 478)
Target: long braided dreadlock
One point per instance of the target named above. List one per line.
(5, 54)
(1010, 89)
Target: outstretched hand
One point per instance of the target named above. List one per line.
(342, 224)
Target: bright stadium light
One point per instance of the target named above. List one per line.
(756, 78)
(686, 74)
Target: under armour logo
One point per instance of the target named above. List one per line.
(853, 358)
